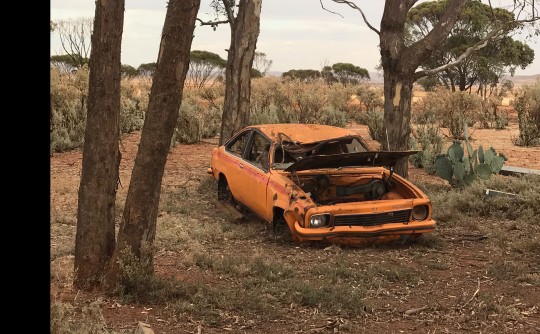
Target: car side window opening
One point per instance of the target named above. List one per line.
(355, 146)
(237, 146)
(259, 151)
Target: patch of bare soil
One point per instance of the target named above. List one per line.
(444, 284)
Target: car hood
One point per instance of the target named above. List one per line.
(358, 159)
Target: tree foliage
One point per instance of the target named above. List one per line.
(344, 73)
(147, 69)
(204, 66)
(128, 71)
(66, 63)
(484, 67)
(302, 75)
(347, 73)
(402, 56)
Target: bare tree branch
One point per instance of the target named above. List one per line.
(328, 10)
(353, 6)
(211, 23)
(75, 37)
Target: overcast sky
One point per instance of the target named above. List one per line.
(295, 34)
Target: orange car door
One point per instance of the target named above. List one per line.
(233, 165)
(255, 170)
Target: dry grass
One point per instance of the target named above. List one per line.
(225, 276)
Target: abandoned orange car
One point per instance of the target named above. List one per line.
(325, 183)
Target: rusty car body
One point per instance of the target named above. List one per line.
(325, 183)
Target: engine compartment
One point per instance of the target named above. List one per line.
(334, 189)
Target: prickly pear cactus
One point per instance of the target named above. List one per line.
(497, 164)
(489, 155)
(481, 154)
(443, 168)
(461, 169)
(483, 171)
(455, 152)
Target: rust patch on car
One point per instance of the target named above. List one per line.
(306, 208)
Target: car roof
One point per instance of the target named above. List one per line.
(303, 133)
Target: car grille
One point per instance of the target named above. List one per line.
(373, 219)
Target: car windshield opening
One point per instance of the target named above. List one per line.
(286, 153)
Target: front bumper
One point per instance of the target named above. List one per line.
(393, 229)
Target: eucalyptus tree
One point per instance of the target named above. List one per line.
(204, 68)
(243, 18)
(401, 62)
(347, 73)
(485, 66)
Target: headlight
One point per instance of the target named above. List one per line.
(319, 220)
(419, 212)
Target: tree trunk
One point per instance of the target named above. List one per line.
(94, 241)
(462, 80)
(244, 34)
(138, 226)
(400, 63)
(397, 82)
(397, 116)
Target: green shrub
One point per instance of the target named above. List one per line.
(370, 96)
(195, 123)
(454, 110)
(69, 95)
(422, 112)
(491, 117)
(461, 169)
(374, 119)
(428, 139)
(69, 99)
(133, 105)
(334, 117)
(527, 104)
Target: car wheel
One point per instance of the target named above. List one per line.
(224, 192)
(281, 230)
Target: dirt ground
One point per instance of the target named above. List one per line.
(453, 283)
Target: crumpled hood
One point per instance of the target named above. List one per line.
(358, 159)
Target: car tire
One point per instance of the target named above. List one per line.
(280, 229)
(224, 192)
